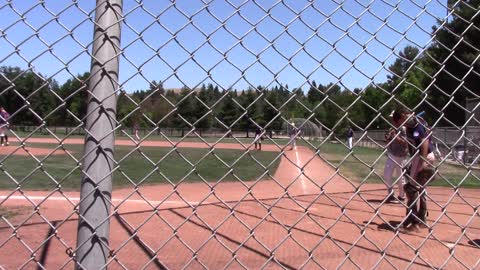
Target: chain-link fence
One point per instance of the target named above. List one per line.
(239, 134)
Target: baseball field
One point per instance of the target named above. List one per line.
(224, 204)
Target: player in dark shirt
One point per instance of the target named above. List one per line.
(420, 147)
(350, 136)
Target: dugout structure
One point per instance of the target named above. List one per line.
(309, 130)
(473, 112)
(472, 130)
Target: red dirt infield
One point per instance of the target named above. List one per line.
(314, 220)
(17, 150)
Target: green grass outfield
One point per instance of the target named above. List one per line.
(172, 166)
(155, 137)
(449, 175)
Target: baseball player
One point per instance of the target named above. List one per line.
(397, 152)
(350, 136)
(294, 132)
(416, 201)
(135, 131)
(421, 149)
(4, 116)
(258, 139)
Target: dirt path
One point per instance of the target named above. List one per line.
(27, 151)
(293, 220)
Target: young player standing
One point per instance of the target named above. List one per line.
(397, 152)
(136, 127)
(258, 139)
(350, 136)
(4, 116)
(420, 148)
(294, 132)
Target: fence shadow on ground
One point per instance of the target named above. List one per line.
(475, 242)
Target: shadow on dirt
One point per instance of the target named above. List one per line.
(475, 242)
(387, 226)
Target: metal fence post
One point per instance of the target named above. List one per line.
(94, 226)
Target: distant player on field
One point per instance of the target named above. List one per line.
(258, 139)
(294, 132)
(4, 117)
(350, 136)
(136, 127)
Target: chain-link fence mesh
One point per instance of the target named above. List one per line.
(239, 134)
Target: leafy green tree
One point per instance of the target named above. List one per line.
(247, 99)
(186, 115)
(331, 106)
(454, 56)
(230, 111)
(128, 112)
(28, 96)
(201, 110)
(315, 94)
(402, 64)
(270, 109)
(372, 100)
(75, 94)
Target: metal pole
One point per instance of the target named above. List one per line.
(94, 221)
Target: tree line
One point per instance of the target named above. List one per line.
(437, 79)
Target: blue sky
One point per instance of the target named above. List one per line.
(268, 41)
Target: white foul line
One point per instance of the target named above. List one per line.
(302, 177)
